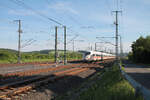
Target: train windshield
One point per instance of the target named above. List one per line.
(87, 53)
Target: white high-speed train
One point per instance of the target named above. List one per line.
(96, 55)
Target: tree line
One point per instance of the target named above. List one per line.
(8, 56)
(140, 50)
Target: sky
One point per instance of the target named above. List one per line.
(85, 20)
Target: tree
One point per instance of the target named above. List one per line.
(141, 50)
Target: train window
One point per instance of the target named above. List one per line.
(94, 55)
(97, 55)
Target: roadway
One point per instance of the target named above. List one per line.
(139, 72)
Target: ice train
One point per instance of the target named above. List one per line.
(96, 55)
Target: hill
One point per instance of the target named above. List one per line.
(40, 51)
(8, 50)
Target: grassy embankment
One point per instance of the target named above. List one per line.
(111, 86)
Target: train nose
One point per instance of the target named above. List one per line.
(87, 57)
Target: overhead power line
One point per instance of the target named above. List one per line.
(29, 42)
(22, 4)
(73, 39)
(106, 41)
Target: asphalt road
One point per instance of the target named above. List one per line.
(141, 73)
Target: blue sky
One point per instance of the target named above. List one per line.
(85, 20)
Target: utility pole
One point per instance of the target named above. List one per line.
(65, 60)
(19, 41)
(56, 52)
(91, 47)
(73, 45)
(105, 49)
(95, 47)
(116, 23)
(121, 47)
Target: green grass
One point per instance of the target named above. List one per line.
(7, 61)
(33, 60)
(112, 86)
(37, 60)
(25, 60)
(10, 56)
(108, 84)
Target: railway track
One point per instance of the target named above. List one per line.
(10, 90)
(15, 88)
(23, 64)
(33, 63)
(35, 72)
(26, 74)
